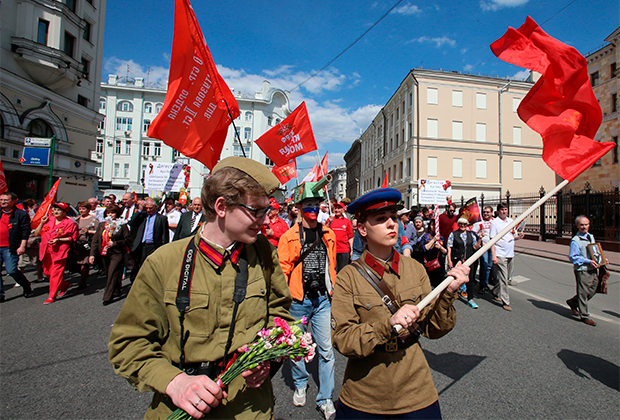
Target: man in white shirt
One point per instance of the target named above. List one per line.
(482, 229)
(323, 216)
(502, 254)
(173, 216)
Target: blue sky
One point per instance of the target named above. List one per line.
(287, 41)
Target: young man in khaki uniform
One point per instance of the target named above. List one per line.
(145, 341)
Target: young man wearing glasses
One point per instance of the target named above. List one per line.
(482, 229)
(227, 283)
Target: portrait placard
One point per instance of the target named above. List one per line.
(595, 252)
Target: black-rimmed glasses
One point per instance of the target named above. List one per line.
(257, 213)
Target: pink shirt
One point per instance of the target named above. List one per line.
(65, 229)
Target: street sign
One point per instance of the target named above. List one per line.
(37, 142)
(35, 156)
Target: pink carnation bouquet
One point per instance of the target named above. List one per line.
(281, 342)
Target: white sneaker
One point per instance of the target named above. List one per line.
(299, 397)
(327, 410)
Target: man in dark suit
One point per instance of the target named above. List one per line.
(189, 222)
(149, 231)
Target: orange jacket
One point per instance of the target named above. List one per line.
(289, 251)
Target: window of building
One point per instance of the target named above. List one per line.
(15, 153)
(117, 170)
(457, 98)
(101, 125)
(397, 114)
(517, 168)
(69, 44)
(143, 173)
(481, 132)
(269, 162)
(432, 127)
(400, 170)
(125, 170)
(157, 147)
(158, 108)
(99, 146)
(594, 78)
(247, 134)
(127, 147)
(481, 168)
(98, 171)
(146, 125)
(432, 95)
(124, 123)
(614, 102)
(71, 5)
(409, 171)
(397, 143)
(102, 104)
(148, 108)
(410, 130)
(237, 151)
(87, 30)
(125, 106)
(515, 104)
(85, 69)
(457, 167)
(431, 166)
(277, 120)
(457, 130)
(175, 153)
(516, 136)
(82, 100)
(40, 128)
(269, 121)
(612, 69)
(43, 31)
(615, 149)
(481, 100)
(248, 116)
(117, 147)
(146, 148)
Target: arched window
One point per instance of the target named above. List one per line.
(125, 106)
(248, 116)
(148, 108)
(277, 121)
(40, 128)
(158, 108)
(102, 104)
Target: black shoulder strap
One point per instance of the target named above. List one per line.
(182, 299)
(241, 283)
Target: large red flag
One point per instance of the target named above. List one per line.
(291, 138)
(312, 175)
(195, 117)
(285, 172)
(45, 206)
(3, 187)
(323, 168)
(561, 106)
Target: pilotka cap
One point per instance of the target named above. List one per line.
(260, 173)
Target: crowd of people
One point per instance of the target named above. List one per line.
(205, 280)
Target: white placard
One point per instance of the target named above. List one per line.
(37, 141)
(167, 177)
(435, 191)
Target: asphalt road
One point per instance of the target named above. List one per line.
(536, 362)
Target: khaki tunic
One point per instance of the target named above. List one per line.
(375, 381)
(145, 337)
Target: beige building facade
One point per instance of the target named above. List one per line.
(458, 127)
(49, 86)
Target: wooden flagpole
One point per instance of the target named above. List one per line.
(444, 284)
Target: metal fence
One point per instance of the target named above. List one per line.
(557, 216)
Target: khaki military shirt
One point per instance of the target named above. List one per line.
(144, 342)
(376, 381)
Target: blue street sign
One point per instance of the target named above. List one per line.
(36, 156)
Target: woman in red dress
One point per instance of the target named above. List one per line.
(57, 234)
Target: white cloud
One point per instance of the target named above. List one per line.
(493, 5)
(408, 9)
(521, 75)
(468, 67)
(155, 76)
(438, 41)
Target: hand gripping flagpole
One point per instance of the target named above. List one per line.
(444, 284)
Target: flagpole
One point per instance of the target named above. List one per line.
(444, 284)
(235, 128)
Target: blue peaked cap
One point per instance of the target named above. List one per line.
(376, 200)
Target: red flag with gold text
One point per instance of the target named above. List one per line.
(561, 106)
(45, 206)
(291, 138)
(285, 172)
(195, 117)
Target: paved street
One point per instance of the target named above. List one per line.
(536, 362)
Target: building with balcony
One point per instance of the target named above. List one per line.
(450, 126)
(604, 77)
(124, 151)
(353, 160)
(49, 86)
(338, 185)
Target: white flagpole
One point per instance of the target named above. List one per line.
(444, 284)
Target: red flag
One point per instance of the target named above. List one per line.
(291, 138)
(3, 187)
(471, 211)
(45, 206)
(195, 118)
(285, 172)
(312, 175)
(385, 181)
(323, 169)
(561, 106)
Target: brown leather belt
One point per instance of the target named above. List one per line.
(396, 344)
